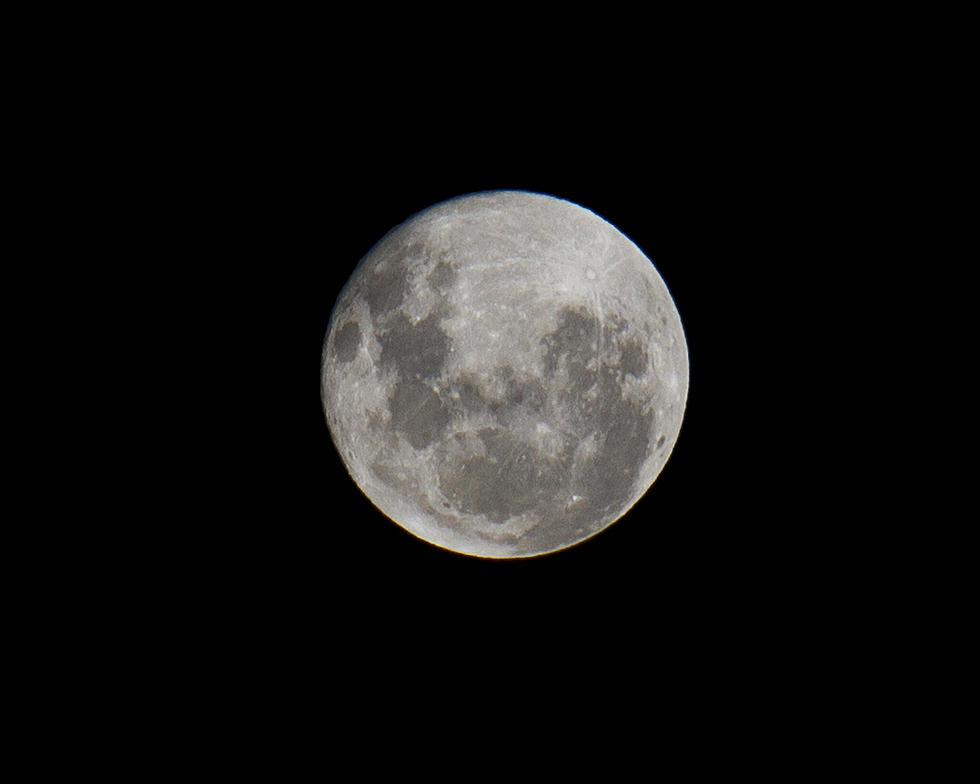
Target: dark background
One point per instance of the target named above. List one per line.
(254, 168)
(701, 204)
(288, 187)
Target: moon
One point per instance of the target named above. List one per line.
(504, 374)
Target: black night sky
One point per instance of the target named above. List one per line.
(297, 191)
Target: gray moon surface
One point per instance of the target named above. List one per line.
(504, 374)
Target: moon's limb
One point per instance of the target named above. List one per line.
(504, 374)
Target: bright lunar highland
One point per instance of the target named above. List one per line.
(504, 374)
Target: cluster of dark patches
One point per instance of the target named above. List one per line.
(622, 430)
(510, 478)
(620, 427)
(383, 288)
(521, 397)
(417, 412)
(571, 347)
(417, 353)
(415, 350)
(385, 285)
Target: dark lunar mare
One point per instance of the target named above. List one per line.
(417, 353)
(442, 276)
(418, 412)
(347, 341)
(510, 476)
(593, 398)
(384, 286)
(415, 350)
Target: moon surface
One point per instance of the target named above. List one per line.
(504, 374)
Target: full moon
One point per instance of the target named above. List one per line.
(504, 374)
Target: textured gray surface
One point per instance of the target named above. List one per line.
(504, 374)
